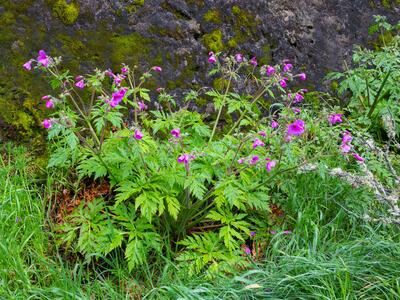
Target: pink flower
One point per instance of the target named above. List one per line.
(296, 128)
(46, 123)
(287, 67)
(43, 59)
(257, 143)
(254, 159)
(211, 58)
(270, 165)
(347, 138)
(117, 97)
(335, 118)
(184, 159)
(159, 89)
(247, 250)
(138, 134)
(283, 83)
(80, 84)
(49, 104)
(270, 71)
(176, 132)
(287, 232)
(298, 98)
(296, 110)
(302, 76)
(240, 161)
(358, 157)
(345, 148)
(239, 57)
(142, 106)
(124, 70)
(28, 65)
(109, 73)
(274, 124)
(156, 69)
(46, 97)
(253, 61)
(262, 133)
(272, 232)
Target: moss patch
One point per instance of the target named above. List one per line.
(213, 16)
(67, 13)
(131, 49)
(213, 41)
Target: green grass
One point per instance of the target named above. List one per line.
(332, 253)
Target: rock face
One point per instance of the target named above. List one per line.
(318, 35)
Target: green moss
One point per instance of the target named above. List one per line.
(201, 102)
(130, 49)
(220, 84)
(213, 41)
(133, 7)
(67, 13)
(7, 18)
(266, 59)
(199, 3)
(213, 16)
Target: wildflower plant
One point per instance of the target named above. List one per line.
(181, 186)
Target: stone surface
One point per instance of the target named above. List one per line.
(317, 35)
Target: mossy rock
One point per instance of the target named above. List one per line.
(66, 12)
(131, 49)
(213, 41)
(213, 16)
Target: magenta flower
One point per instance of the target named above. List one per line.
(211, 58)
(270, 71)
(272, 232)
(142, 106)
(49, 104)
(296, 110)
(80, 84)
(159, 89)
(253, 61)
(258, 142)
(46, 97)
(302, 76)
(270, 165)
(287, 232)
(283, 83)
(287, 67)
(262, 133)
(239, 57)
(46, 123)
(184, 159)
(298, 98)
(274, 124)
(345, 148)
(109, 73)
(156, 69)
(347, 138)
(247, 250)
(138, 134)
(28, 65)
(358, 157)
(176, 132)
(240, 161)
(296, 128)
(335, 118)
(117, 97)
(124, 70)
(43, 59)
(254, 159)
